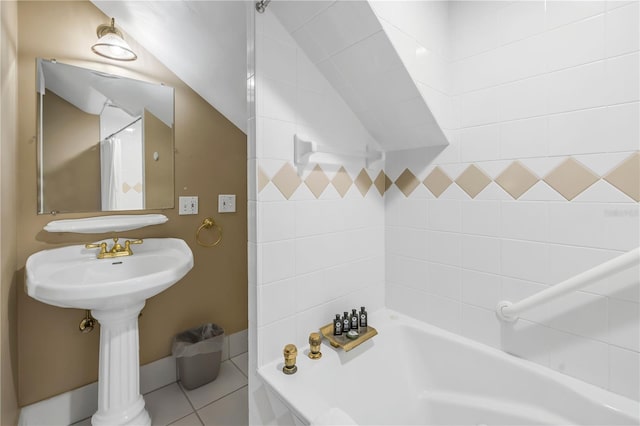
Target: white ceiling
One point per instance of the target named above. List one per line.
(203, 42)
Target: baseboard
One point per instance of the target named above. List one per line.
(78, 404)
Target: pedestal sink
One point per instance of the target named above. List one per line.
(115, 290)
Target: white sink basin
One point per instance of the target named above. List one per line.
(115, 290)
(72, 277)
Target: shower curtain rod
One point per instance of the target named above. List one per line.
(118, 131)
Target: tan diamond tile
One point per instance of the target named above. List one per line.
(342, 181)
(317, 181)
(570, 178)
(363, 182)
(407, 182)
(126, 187)
(263, 179)
(137, 187)
(380, 181)
(437, 181)
(516, 179)
(287, 180)
(626, 177)
(473, 180)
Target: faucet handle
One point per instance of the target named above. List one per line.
(314, 345)
(102, 246)
(290, 352)
(139, 241)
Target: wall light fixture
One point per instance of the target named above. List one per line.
(111, 44)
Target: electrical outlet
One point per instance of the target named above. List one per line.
(188, 205)
(226, 203)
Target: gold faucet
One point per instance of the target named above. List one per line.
(117, 250)
(290, 352)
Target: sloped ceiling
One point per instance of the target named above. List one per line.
(348, 44)
(202, 42)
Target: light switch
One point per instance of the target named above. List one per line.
(188, 205)
(226, 203)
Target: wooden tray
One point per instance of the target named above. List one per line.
(343, 341)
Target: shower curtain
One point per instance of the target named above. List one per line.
(110, 163)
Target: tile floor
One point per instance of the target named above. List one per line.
(222, 402)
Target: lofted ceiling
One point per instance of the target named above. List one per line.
(203, 42)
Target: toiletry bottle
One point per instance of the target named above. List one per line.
(354, 320)
(337, 326)
(346, 322)
(363, 317)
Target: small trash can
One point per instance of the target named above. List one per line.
(198, 352)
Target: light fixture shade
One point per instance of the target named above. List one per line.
(111, 45)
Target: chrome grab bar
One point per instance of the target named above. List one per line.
(509, 312)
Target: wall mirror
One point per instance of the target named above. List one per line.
(105, 142)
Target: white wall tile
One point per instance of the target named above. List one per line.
(582, 358)
(278, 301)
(406, 271)
(624, 324)
(568, 261)
(481, 217)
(481, 254)
(564, 12)
(527, 340)
(523, 220)
(481, 325)
(480, 143)
(611, 226)
(522, 59)
(624, 372)
(577, 88)
(477, 108)
(521, 19)
(523, 99)
(579, 313)
(524, 138)
(481, 289)
(276, 221)
(276, 99)
(622, 30)
(444, 215)
(443, 280)
(575, 44)
(274, 261)
(408, 301)
(274, 59)
(443, 247)
(622, 79)
(443, 312)
(406, 242)
(525, 260)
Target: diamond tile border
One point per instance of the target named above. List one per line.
(570, 178)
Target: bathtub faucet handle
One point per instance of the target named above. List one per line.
(290, 353)
(314, 345)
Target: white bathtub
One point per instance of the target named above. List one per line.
(414, 374)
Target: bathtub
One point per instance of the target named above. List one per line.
(412, 373)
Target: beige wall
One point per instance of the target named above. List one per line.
(210, 159)
(157, 172)
(71, 160)
(8, 169)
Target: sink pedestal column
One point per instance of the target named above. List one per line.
(119, 398)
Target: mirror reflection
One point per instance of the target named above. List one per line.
(105, 142)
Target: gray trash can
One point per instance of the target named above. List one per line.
(198, 352)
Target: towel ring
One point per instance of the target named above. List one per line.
(209, 223)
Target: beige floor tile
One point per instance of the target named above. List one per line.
(231, 410)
